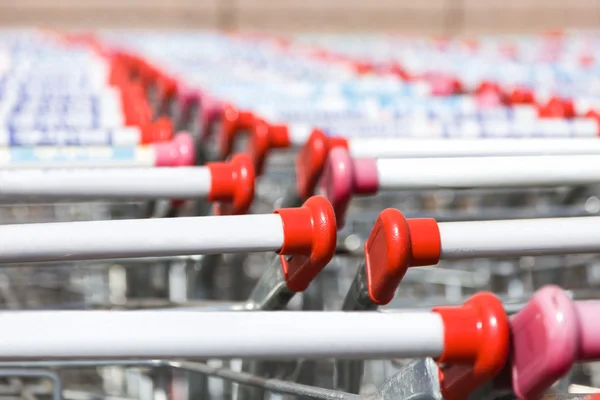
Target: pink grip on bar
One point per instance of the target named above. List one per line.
(186, 94)
(366, 179)
(210, 110)
(177, 153)
(589, 323)
(545, 335)
(342, 177)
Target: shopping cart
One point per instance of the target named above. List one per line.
(205, 327)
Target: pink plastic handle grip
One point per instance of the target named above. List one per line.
(343, 177)
(179, 152)
(544, 342)
(589, 322)
(549, 335)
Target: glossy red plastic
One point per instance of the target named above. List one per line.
(135, 107)
(166, 86)
(520, 96)
(595, 115)
(233, 122)
(311, 161)
(557, 108)
(159, 131)
(264, 138)
(310, 238)
(394, 245)
(232, 185)
(476, 345)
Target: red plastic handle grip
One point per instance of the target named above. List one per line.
(394, 245)
(264, 138)
(233, 122)
(310, 238)
(232, 185)
(476, 344)
(311, 161)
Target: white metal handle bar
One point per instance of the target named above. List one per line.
(231, 181)
(414, 242)
(140, 238)
(178, 152)
(78, 184)
(508, 238)
(166, 334)
(344, 176)
(315, 146)
(417, 148)
(474, 335)
(487, 172)
(312, 157)
(304, 237)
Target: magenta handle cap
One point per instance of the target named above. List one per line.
(179, 152)
(343, 177)
(545, 342)
(336, 183)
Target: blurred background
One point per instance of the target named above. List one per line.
(437, 17)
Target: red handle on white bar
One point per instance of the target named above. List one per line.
(166, 334)
(471, 340)
(229, 183)
(308, 233)
(417, 148)
(140, 238)
(397, 243)
(487, 172)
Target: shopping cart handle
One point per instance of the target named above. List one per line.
(311, 160)
(310, 237)
(166, 87)
(395, 243)
(159, 131)
(210, 110)
(232, 185)
(520, 96)
(343, 176)
(476, 344)
(550, 334)
(178, 152)
(234, 121)
(187, 95)
(264, 138)
(304, 237)
(136, 109)
(557, 108)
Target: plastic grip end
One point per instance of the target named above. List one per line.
(394, 245)
(476, 344)
(232, 185)
(336, 182)
(545, 342)
(167, 87)
(179, 152)
(557, 108)
(264, 138)
(234, 121)
(210, 111)
(311, 161)
(520, 96)
(309, 238)
(159, 131)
